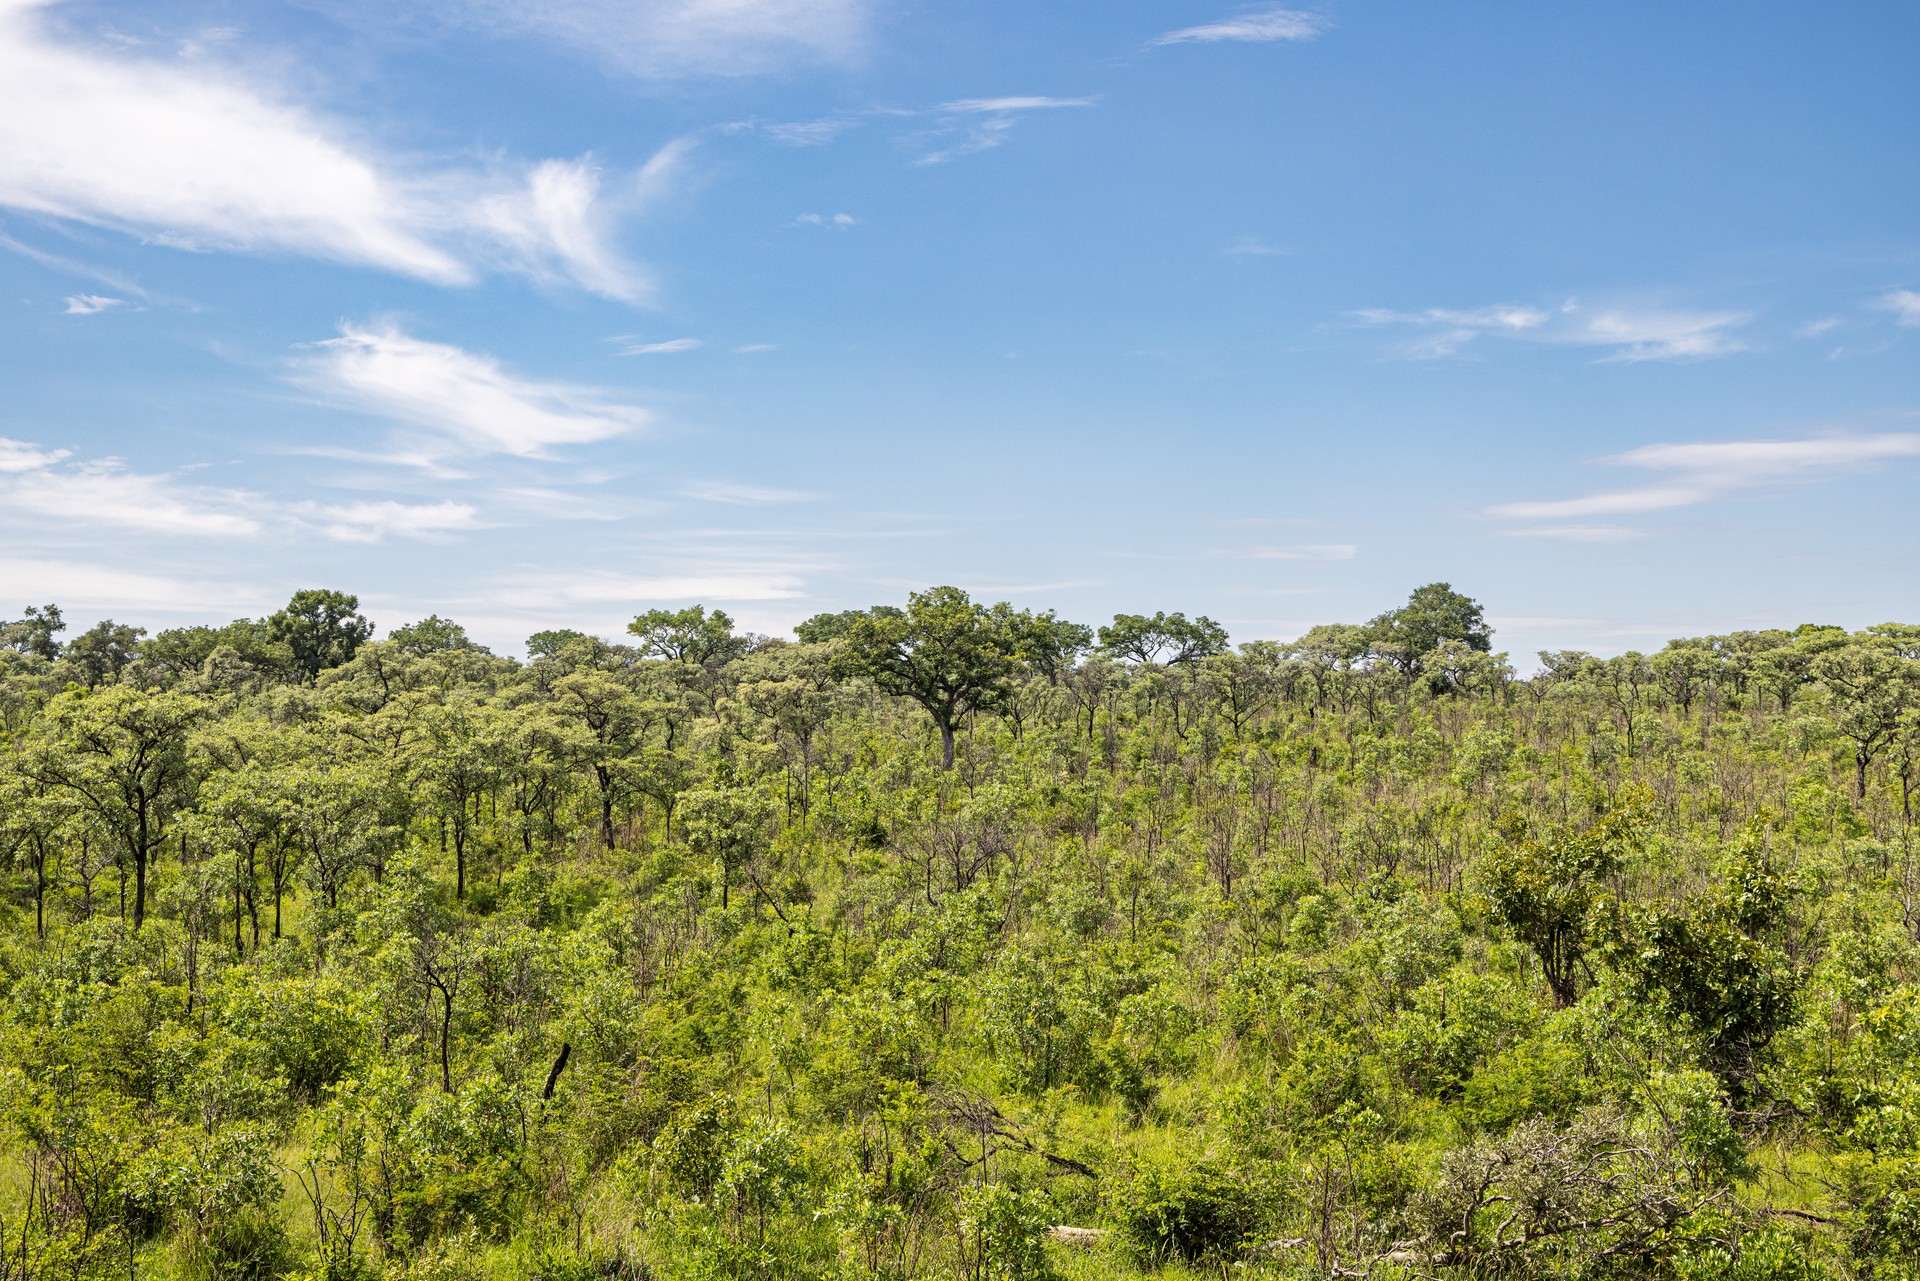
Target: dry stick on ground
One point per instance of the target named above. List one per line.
(977, 1116)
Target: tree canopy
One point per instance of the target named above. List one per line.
(941, 941)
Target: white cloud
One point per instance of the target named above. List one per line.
(807, 133)
(1250, 247)
(1903, 303)
(191, 155)
(78, 584)
(91, 304)
(20, 455)
(1581, 533)
(1626, 334)
(369, 522)
(1260, 27)
(1658, 335)
(549, 591)
(1701, 472)
(825, 220)
(667, 348)
(751, 348)
(1813, 329)
(461, 397)
(105, 493)
(1309, 551)
(665, 38)
(721, 491)
(985, 123)
(1001, 106)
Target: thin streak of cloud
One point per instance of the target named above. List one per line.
(666, 39)
(670, 347)
(91, 304)
(43, 487)
(1260, 27)
(370, 522)
(72, 267)
(733, 493)
(1581, 533)
(461, 398)
(1308, 551)
(91, 585)
(1626, 334)
(1704, 471)
(1001, 106)
(985, 123)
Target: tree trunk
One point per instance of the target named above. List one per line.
(946, 744)
(446, 1026)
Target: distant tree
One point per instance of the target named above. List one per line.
(101, 653)
(31, 820)
(1048, 645)
(689, 635)
(322, 628)
(180, 652)
(727, 825)
(1872, 687)
(1433, 613)
(35, 633)
(462, 762)
(1136, 638)
(121, 756)
(549, 644)
(945, 652)
(431, 635)
(1684, 669)
(1244, 683)
(829, 627)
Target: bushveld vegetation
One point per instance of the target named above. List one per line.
(951, 940)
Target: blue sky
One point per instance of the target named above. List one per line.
(544, 312)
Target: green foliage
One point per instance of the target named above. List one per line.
(320, 628)
(1186, 1210)
(690, 958)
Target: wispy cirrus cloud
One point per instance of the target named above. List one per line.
(1304, 551)
(187, 153)
(1694, 473)
(91, 304)
(20, 456)
(105, 492)
(1625, 334)
(1261, 26)
(1011, 103)
(982, 124)
(671, 346)
(45, 488)
(456, 400)
(94, 585)
(736, 494)
(603, 587)
(675, 38)
(1903, 303)
(371, 522)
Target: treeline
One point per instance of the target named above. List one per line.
(949, 939)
